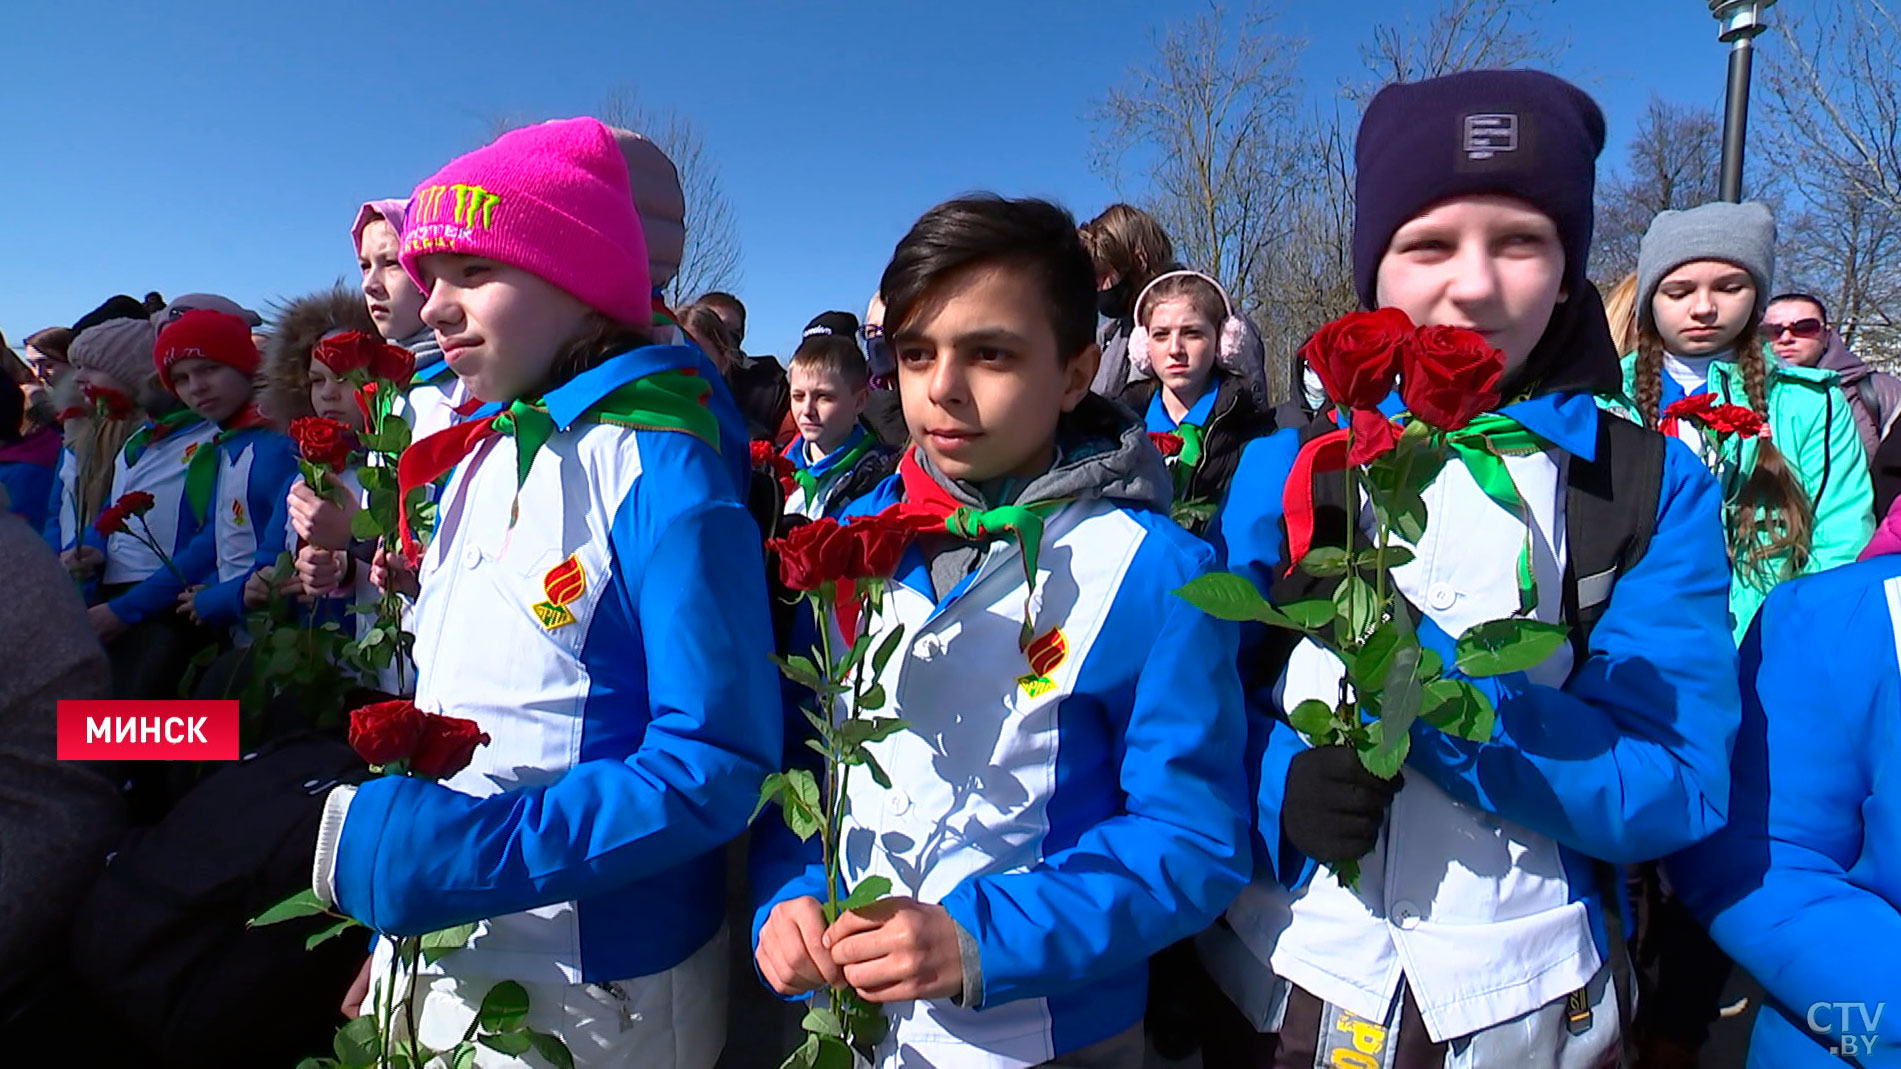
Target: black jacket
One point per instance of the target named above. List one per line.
(1237, 419)
(761, 392)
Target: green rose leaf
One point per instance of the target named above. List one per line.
(885, 650)
(1226, 596)
(1325, 562)
(823, 1022)
(504, 1008)
(302, 904)
(512, 1044)
(1358, 605)
(551, 1049)
(802, 671)
(329, 933)
(1390, 557)
(363, 525)
(800, 800)
(1496, 647)
(437, 945)
(359, 1042)
(1458, 708)
(1312, 718)
(869, 890)
(1309, 614)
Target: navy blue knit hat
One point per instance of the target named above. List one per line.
(1524, 134)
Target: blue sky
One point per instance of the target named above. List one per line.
(223, 147)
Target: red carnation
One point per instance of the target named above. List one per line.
(1450, 375)
(813, 554)
(1358, 355)
(324, 442)
(113, 519)
(1169, 444)
(762, 454)
(109, 403)
(448, 745)
(386, 732)
(1734, 419)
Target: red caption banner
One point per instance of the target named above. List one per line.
(148, 731)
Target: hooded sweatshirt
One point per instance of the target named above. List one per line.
(1874, 397)
(1076, 806)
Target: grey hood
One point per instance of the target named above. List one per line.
(1103, 452)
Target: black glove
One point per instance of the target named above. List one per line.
(1334, 807)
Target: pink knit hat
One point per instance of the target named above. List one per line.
(553, 200)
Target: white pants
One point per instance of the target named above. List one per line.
(670, 1020)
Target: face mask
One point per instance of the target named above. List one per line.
(1113, 302)
(1310, 386)
(878, 357)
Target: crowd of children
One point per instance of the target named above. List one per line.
(1097, 816)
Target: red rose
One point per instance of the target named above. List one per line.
(1358, 355)
(762, 454)
(1169, 444)
(448, 745)
(1450, 376)
(878, 543)
(349, 351)
(392, 363)
(1374, 436)
(385, 732)
(324, 442)
(813, 554)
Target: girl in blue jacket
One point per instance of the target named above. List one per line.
(1803, 887)
(594, 598)
(1477, 935)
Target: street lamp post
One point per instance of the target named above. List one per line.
(1742, 22)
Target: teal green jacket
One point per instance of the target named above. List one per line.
(1810, 422)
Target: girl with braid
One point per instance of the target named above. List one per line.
(1796, 496)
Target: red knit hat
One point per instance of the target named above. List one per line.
(206, 335)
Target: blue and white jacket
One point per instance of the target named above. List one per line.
(62, 506)
(159, 470)
(1803, 887)
(613, 642)
(247, 529)
(1072, 824)
(831, 473)
(1480, 892)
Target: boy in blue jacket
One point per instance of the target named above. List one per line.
(1058, 811)
(1803, 886)
(1477, 933)
(234, 484)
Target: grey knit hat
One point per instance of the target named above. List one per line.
(1741, 234)
(121, 348)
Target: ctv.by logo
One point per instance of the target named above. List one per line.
(1824, 1016)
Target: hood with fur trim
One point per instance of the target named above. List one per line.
(297, 325)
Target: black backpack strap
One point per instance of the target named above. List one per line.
(1610, 514)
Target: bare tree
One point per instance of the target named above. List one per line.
(1208, 122)
(1675, 161)
(1831, 112)
(1460, 35)
(713, 257)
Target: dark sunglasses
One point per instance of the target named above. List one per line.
(1801, 328)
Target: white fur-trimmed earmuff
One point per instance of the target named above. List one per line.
(1238, 350)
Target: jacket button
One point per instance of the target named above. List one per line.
(1441, 596)
(1406, 915)
(898, 802)
(929, 647)
(471, 557)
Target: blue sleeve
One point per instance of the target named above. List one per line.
(1785, 886)
(1248, 534)
(1173, 855)
(273, 469)
(1629, 761)
(159, 591)
(415, 856)
(29, 488)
